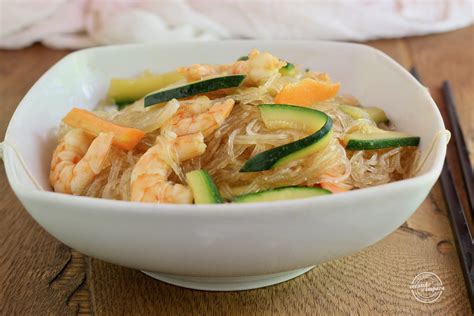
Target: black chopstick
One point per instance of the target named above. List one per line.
(461, 147)
(460, 228)
(414, 72)
(457, 217)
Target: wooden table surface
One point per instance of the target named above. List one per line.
(40, 275)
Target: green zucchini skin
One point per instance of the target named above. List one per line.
(204, 189)
(194, 88)
(122, 104)
(365, 144)
(294, 150)
(288, 70)
(283, 193)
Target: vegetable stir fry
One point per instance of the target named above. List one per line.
(256, 129)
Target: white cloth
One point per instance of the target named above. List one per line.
(82, 23)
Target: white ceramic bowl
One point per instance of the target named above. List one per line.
(230, 246)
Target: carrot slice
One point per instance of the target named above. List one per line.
(124, 137)
(334, 188)
(306, 92)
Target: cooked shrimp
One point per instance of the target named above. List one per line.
(330, 180)
(200, 71)
(149, 179)
(335, 187)
(188, 120)
(77, 160)
(259, 67)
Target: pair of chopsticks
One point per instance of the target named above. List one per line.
(459, 224)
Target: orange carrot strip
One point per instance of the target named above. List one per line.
(306, 92)
(334, 188)
(124, 137)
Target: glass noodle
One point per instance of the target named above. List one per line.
(243, 135)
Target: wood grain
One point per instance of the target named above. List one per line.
(375, 280)
(37, 272)
(453, 60)
(39, 275)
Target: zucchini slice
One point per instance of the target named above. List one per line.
(125, 91)
(379, 140)
(284, 193)
(190, 89)
(288, 70)
(375, 114)
(123, 104)
(276, 116)
(203, 188)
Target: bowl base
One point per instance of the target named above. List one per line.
(228, 283)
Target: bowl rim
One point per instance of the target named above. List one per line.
(105, 205)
